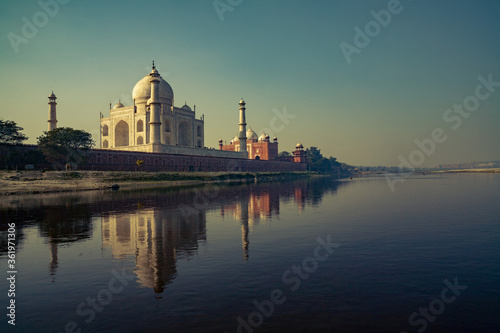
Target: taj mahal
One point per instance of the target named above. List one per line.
(152, 121)
(152, 124)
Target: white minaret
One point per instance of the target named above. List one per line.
(154, 102)
(242, 135)
(52, 112)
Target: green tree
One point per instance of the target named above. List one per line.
(284, 154)
(65, 145)
(316, 161)
(10, 139)
(10, 133)
(334, 163)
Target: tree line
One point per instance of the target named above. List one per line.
(58, 148)
(65, 146)
(318, 163)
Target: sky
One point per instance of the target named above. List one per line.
(368, 82)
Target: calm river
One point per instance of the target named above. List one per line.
(306, 256)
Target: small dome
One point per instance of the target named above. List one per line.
(275, 139)
(251, 135)
(118, 105)
(263, 136)
(186, 107)
(236, 139)
(242, 102)
(299, 146)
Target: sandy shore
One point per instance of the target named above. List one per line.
(29, 182)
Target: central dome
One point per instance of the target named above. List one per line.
(142, 90)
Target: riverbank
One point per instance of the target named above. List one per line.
(484, 170)
(30, 182)
(477, 170)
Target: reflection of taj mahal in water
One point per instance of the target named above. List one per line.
(158, 234)
(158, 237)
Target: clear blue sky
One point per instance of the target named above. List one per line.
(277, 55)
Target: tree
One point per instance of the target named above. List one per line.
(284, 154)
(65, 145)
(316, 161)
(10, 139)
(10, 133)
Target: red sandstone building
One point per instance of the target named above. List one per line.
(258, 148)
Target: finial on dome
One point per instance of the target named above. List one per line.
(154, 72)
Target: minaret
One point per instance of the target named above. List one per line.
(242, 135)
(52, 112)
(154, 102)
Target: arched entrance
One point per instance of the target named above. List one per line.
(121, 134)
(184, 134)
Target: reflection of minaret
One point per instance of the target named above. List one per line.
(53, 259)
(299, 198)
(244, 227)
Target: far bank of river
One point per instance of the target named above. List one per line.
(476, 170)
(29, 182)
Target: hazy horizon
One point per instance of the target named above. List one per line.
(364, 98)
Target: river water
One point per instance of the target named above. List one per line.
(314, 255)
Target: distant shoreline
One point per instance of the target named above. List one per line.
(477, 170)
(37, 182)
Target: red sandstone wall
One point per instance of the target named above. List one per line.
(266, 150)
(126, 161)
